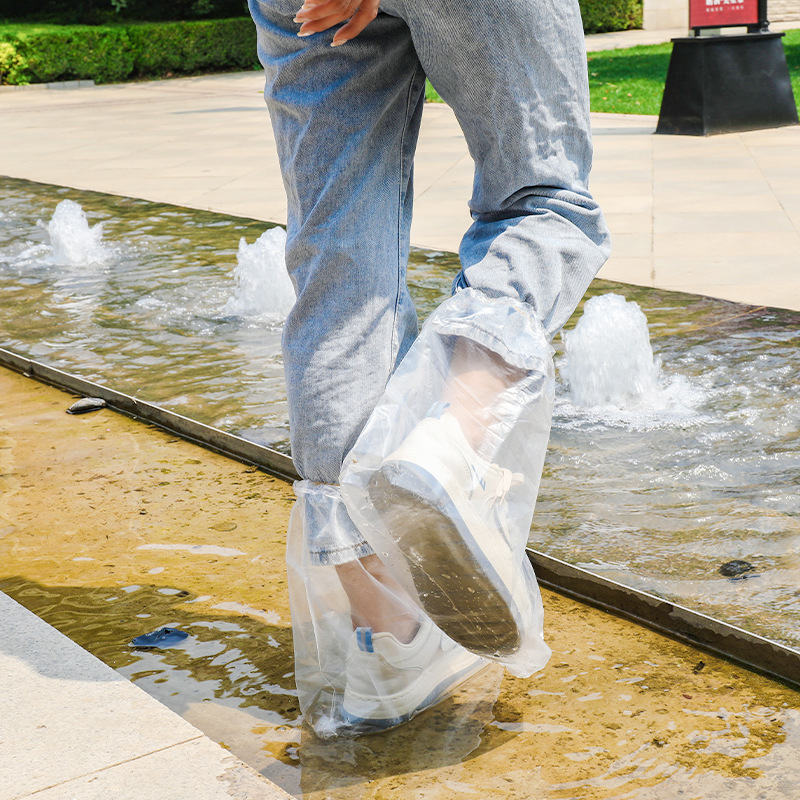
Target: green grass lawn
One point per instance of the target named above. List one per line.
(631, 81)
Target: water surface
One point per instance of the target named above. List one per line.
(656, 497)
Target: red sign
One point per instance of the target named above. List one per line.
(721, 13)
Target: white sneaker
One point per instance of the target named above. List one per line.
(445, 507)
(388, 681)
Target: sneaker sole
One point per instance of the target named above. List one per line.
(466, 599)
(432, 692)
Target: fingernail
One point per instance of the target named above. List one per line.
(303, 34)
(338, 43)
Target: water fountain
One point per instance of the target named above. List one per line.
(72, 240)
(660, 469)
(262, 286)
(653, 482)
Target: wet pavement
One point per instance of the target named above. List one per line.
(138, 530)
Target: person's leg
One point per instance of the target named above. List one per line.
(377, 600)
(514, 72)
(346, 123)
(537, 234)
(449, 492)
(478, 377)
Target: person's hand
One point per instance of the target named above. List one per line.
(319, 15)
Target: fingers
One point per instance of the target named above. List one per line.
(318, 25)
(365, 13)
(319, 15)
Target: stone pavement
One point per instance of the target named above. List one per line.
(786, 11)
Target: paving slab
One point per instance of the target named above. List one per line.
(72, 727)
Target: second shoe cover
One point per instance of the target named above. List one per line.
(443, 480)
(352, 682)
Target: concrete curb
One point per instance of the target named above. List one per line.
(71, 727)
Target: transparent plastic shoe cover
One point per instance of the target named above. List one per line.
(353, 675)
(443, 480)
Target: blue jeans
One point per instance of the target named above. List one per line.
(346, 121)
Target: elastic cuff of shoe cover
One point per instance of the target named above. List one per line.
(504, 325)
(332, 536)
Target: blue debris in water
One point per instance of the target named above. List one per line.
(163, 637)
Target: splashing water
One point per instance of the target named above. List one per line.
(261, 284)
(609, 366)
(73, 241)
(609, 357)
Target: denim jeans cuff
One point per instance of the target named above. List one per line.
(332, 536)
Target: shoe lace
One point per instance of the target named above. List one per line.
(493, 506)
(496, 488)
(507, 481)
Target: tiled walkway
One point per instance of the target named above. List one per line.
(717, 215)
(784, 10)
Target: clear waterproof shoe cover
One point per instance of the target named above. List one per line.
(443, 480)
(352, 682)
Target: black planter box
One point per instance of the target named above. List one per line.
(722, 84)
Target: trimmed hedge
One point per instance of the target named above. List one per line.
(601, 16)
(111, 12)
(193, 46)
(98, 53)
(105, 54)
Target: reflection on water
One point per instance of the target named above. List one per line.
(602, 722)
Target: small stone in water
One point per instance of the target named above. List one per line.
(86, 404)
(731, 569)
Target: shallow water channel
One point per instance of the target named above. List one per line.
(657, 496)
(140, 529)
